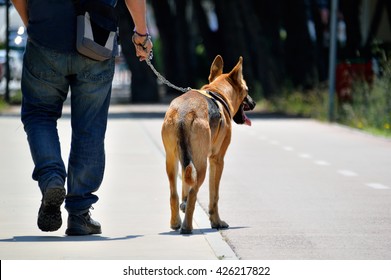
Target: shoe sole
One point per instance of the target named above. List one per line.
(49, 216)
(79, 231)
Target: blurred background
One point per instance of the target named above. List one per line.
(285, 45)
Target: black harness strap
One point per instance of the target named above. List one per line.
(220, 99)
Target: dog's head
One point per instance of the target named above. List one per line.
(233, 87)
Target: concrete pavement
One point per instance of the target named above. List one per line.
(134, 198)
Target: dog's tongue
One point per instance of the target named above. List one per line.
(247, 121)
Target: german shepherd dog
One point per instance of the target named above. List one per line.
(197, 126)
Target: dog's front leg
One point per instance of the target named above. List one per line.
(215, 172)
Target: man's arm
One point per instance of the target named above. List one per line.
(138, 11)
(21, 7)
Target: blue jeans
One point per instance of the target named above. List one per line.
(47, 77)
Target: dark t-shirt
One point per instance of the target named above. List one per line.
(52, 24)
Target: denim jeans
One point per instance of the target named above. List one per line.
(47, 77)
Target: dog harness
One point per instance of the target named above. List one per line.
(216, 121)
(216, 97)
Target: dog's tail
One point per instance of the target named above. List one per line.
(189, 171)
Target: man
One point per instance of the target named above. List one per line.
(51, 67)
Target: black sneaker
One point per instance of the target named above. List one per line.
(49, 214)
(82, 225)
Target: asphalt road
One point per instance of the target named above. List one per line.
(291, 189)
(301, 189)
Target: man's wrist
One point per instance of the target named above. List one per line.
(140, 33)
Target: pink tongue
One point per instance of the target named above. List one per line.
(247, 121)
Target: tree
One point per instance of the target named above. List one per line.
(350, 10)
(187, 43)
(143, 84)
(172, 22)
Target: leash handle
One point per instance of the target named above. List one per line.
(161, 78)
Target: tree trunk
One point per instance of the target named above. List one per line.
(174, 34)
(264, 19)
(299, 51)
(143, 85)
(350, 11)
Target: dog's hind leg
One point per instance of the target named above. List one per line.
(187, 225)
(195, 169)
(215, 171)
(172, 159)
(172, 173)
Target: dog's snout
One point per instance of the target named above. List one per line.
(249, 103)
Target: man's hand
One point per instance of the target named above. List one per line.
(143, 45)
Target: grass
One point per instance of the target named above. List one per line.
(312, 104)
(15, 99)
(369, 110)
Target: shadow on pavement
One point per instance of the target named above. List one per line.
(199, 231)
(67, 238)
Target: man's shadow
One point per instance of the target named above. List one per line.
(82, 238)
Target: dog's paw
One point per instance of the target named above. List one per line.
(176, 224)
(219, 225)
(186, 231)
(176, 227)
(183, 207)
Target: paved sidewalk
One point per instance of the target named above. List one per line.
(134, 198)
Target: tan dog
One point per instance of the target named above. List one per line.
(197, 126)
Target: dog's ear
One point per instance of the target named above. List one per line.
(237, 73)
(216, 69)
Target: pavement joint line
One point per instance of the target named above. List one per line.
(378, 186)
(220, 247)
(303, 155)
(347, 173)
(322, 162)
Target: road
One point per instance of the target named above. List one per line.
(301, 189)
(291, 189)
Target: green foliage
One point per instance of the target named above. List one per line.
(371, 106)
(312, 104)
(157, 51)
(370, 109)
(15, 99)
(3, 105)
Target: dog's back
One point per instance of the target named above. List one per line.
(186, 129)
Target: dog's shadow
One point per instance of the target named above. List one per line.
(95, 238)
(65, 238)
(200, 231)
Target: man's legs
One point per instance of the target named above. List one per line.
(46, 78)
(90, 99)
(44, 90)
